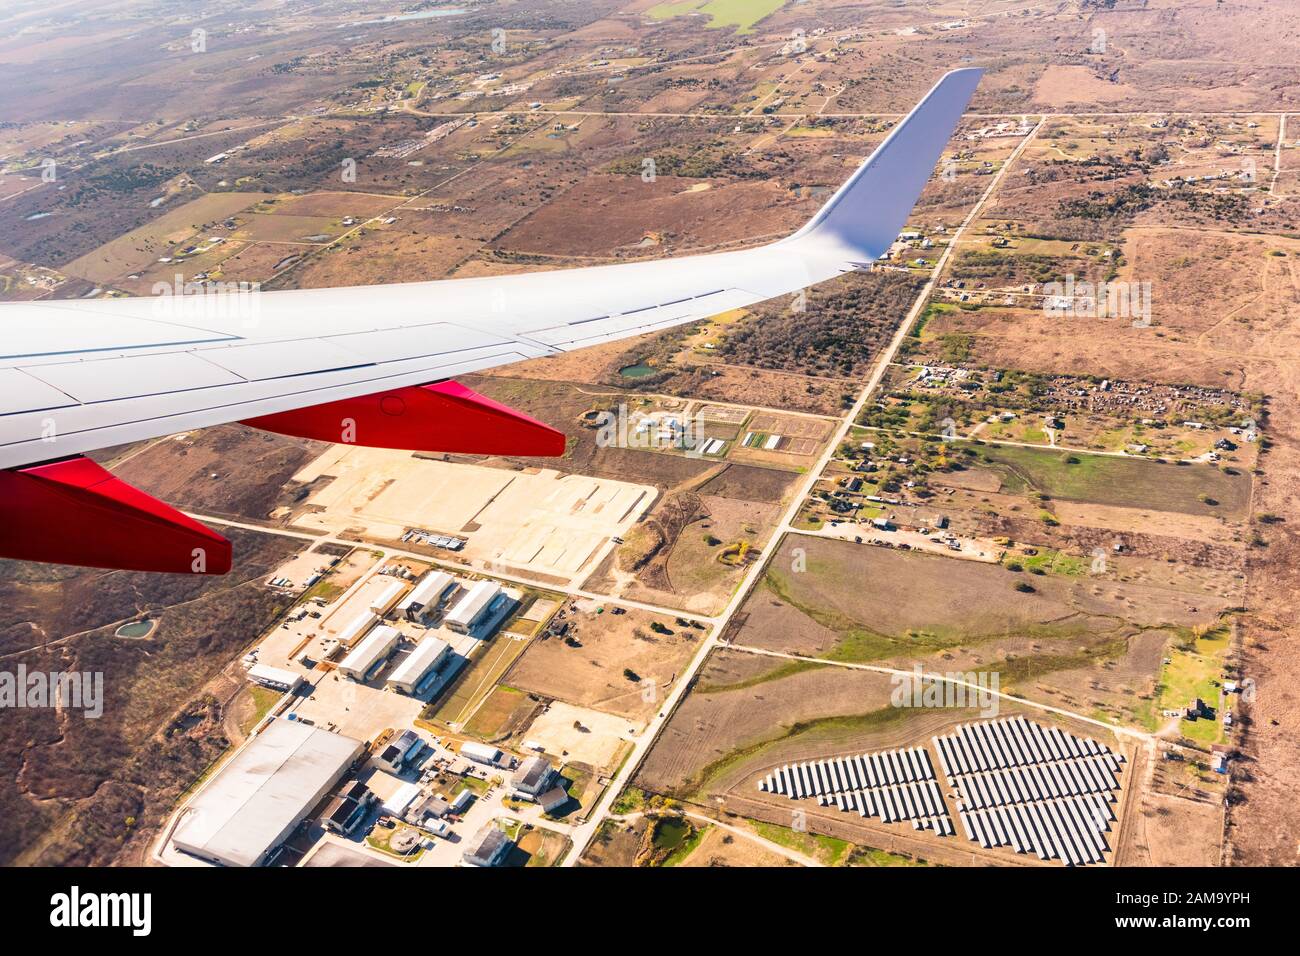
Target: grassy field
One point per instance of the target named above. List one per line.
(264, 698)
(1199, 489)
(741, 14)
(824, 849)
(1048, 561)
(1194, 669)
(495, 715)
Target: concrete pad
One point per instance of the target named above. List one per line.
(596, 745)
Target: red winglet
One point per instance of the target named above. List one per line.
(74, 512)
(445, 416)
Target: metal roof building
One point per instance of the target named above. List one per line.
(428, 654)
(277, 678)
(489, 847)
(387, 596)
(476, 604)
(257, 800)
(353, 630)
(377, 645)
(430, 592)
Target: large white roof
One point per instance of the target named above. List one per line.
(376, 644)
(418, 662)
(257, 798)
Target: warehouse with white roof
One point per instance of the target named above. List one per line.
(428, 656)
(258, 799)
(357, 626)
(427, 596)
(475, 607)
(376, 646)
(383, 600)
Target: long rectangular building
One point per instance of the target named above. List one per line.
(427, 595)
(257, 800)
(386, 597)
(428, 655)
(356, 627)
(474, 607)
(374, 647)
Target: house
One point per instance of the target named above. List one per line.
(1199, 709)
(1219, 758)
(347, 809)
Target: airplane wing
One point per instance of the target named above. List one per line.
(80, 375)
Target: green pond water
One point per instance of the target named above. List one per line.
(639, 370)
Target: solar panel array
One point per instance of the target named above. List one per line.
(1036, 789)
(895, 785)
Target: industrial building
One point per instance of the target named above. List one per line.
(386, 598)
(481, 753)
(489, 847)
(427, 596)
(348, 809)
(476, 607)
(429, 655)
(400, 751)
(356, 627)
(257, 800)
(375, 647)
(533, 778)
(401, 799)
(276, 678)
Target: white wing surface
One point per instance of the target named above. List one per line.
(80, 375)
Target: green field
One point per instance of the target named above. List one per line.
(1193, 670)
(741, 14)
(825, 849)
(1049, 561)
(1199, 489)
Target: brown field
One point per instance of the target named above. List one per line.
(604, 214)
(229, 471)
(1090, 643)
(680, 556)
(592, 675)
(161, 725)
(615, 843)
(143, 246)
(378, 256)
(719, 848)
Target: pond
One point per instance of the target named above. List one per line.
(639, 370)
(135, 629)
(669, 833)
